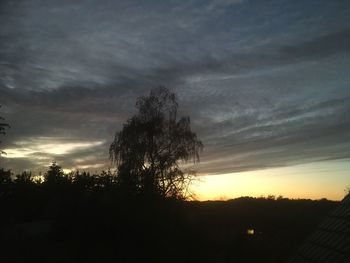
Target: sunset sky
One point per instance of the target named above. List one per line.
(266, 84)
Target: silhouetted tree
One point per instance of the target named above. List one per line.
(24, 178)
(3, 126)
(150, 147)
(5, 181)
(55, 175)
(106, 180)
(83, 180)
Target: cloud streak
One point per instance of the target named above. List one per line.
(262, 90)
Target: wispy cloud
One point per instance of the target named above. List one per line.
(262, 89)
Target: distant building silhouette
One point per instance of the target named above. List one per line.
(331, 241)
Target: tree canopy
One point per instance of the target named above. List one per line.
(152, 144)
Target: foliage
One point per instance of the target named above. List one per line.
(24, 178)
(149, 149)
(75, 223)
(5, 176)
(85, 181)
(55, 175)
(83, 216)
(3, 126)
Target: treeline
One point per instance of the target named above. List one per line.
(89, 217)
(55, 179)
(82, 217)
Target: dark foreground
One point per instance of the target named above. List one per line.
(42, 226)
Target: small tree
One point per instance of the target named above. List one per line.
(5, 178)
(55, 175)
(150, 147)
(24, 178)
(3, 126)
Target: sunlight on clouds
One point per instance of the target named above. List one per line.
(58, 148)
(18, 152)
(91, 166)
(43, 147)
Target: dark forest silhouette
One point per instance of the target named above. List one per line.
(139, 212)
(83, 217)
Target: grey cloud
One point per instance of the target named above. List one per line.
(255, 103)
(290, 138)
(320, 47)
(21, 164)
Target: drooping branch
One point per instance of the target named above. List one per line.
(153, 142)
(3, 126)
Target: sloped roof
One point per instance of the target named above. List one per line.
(331, 241)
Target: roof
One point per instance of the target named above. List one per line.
(331, 241)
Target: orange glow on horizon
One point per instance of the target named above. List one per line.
(311, 181)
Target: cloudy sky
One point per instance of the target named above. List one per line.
(266, 83)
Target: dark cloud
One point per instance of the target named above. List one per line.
(327, 45)
(262, 89)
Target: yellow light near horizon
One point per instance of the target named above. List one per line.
(67, 171)
(314, 181)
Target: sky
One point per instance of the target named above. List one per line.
(266, 84)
